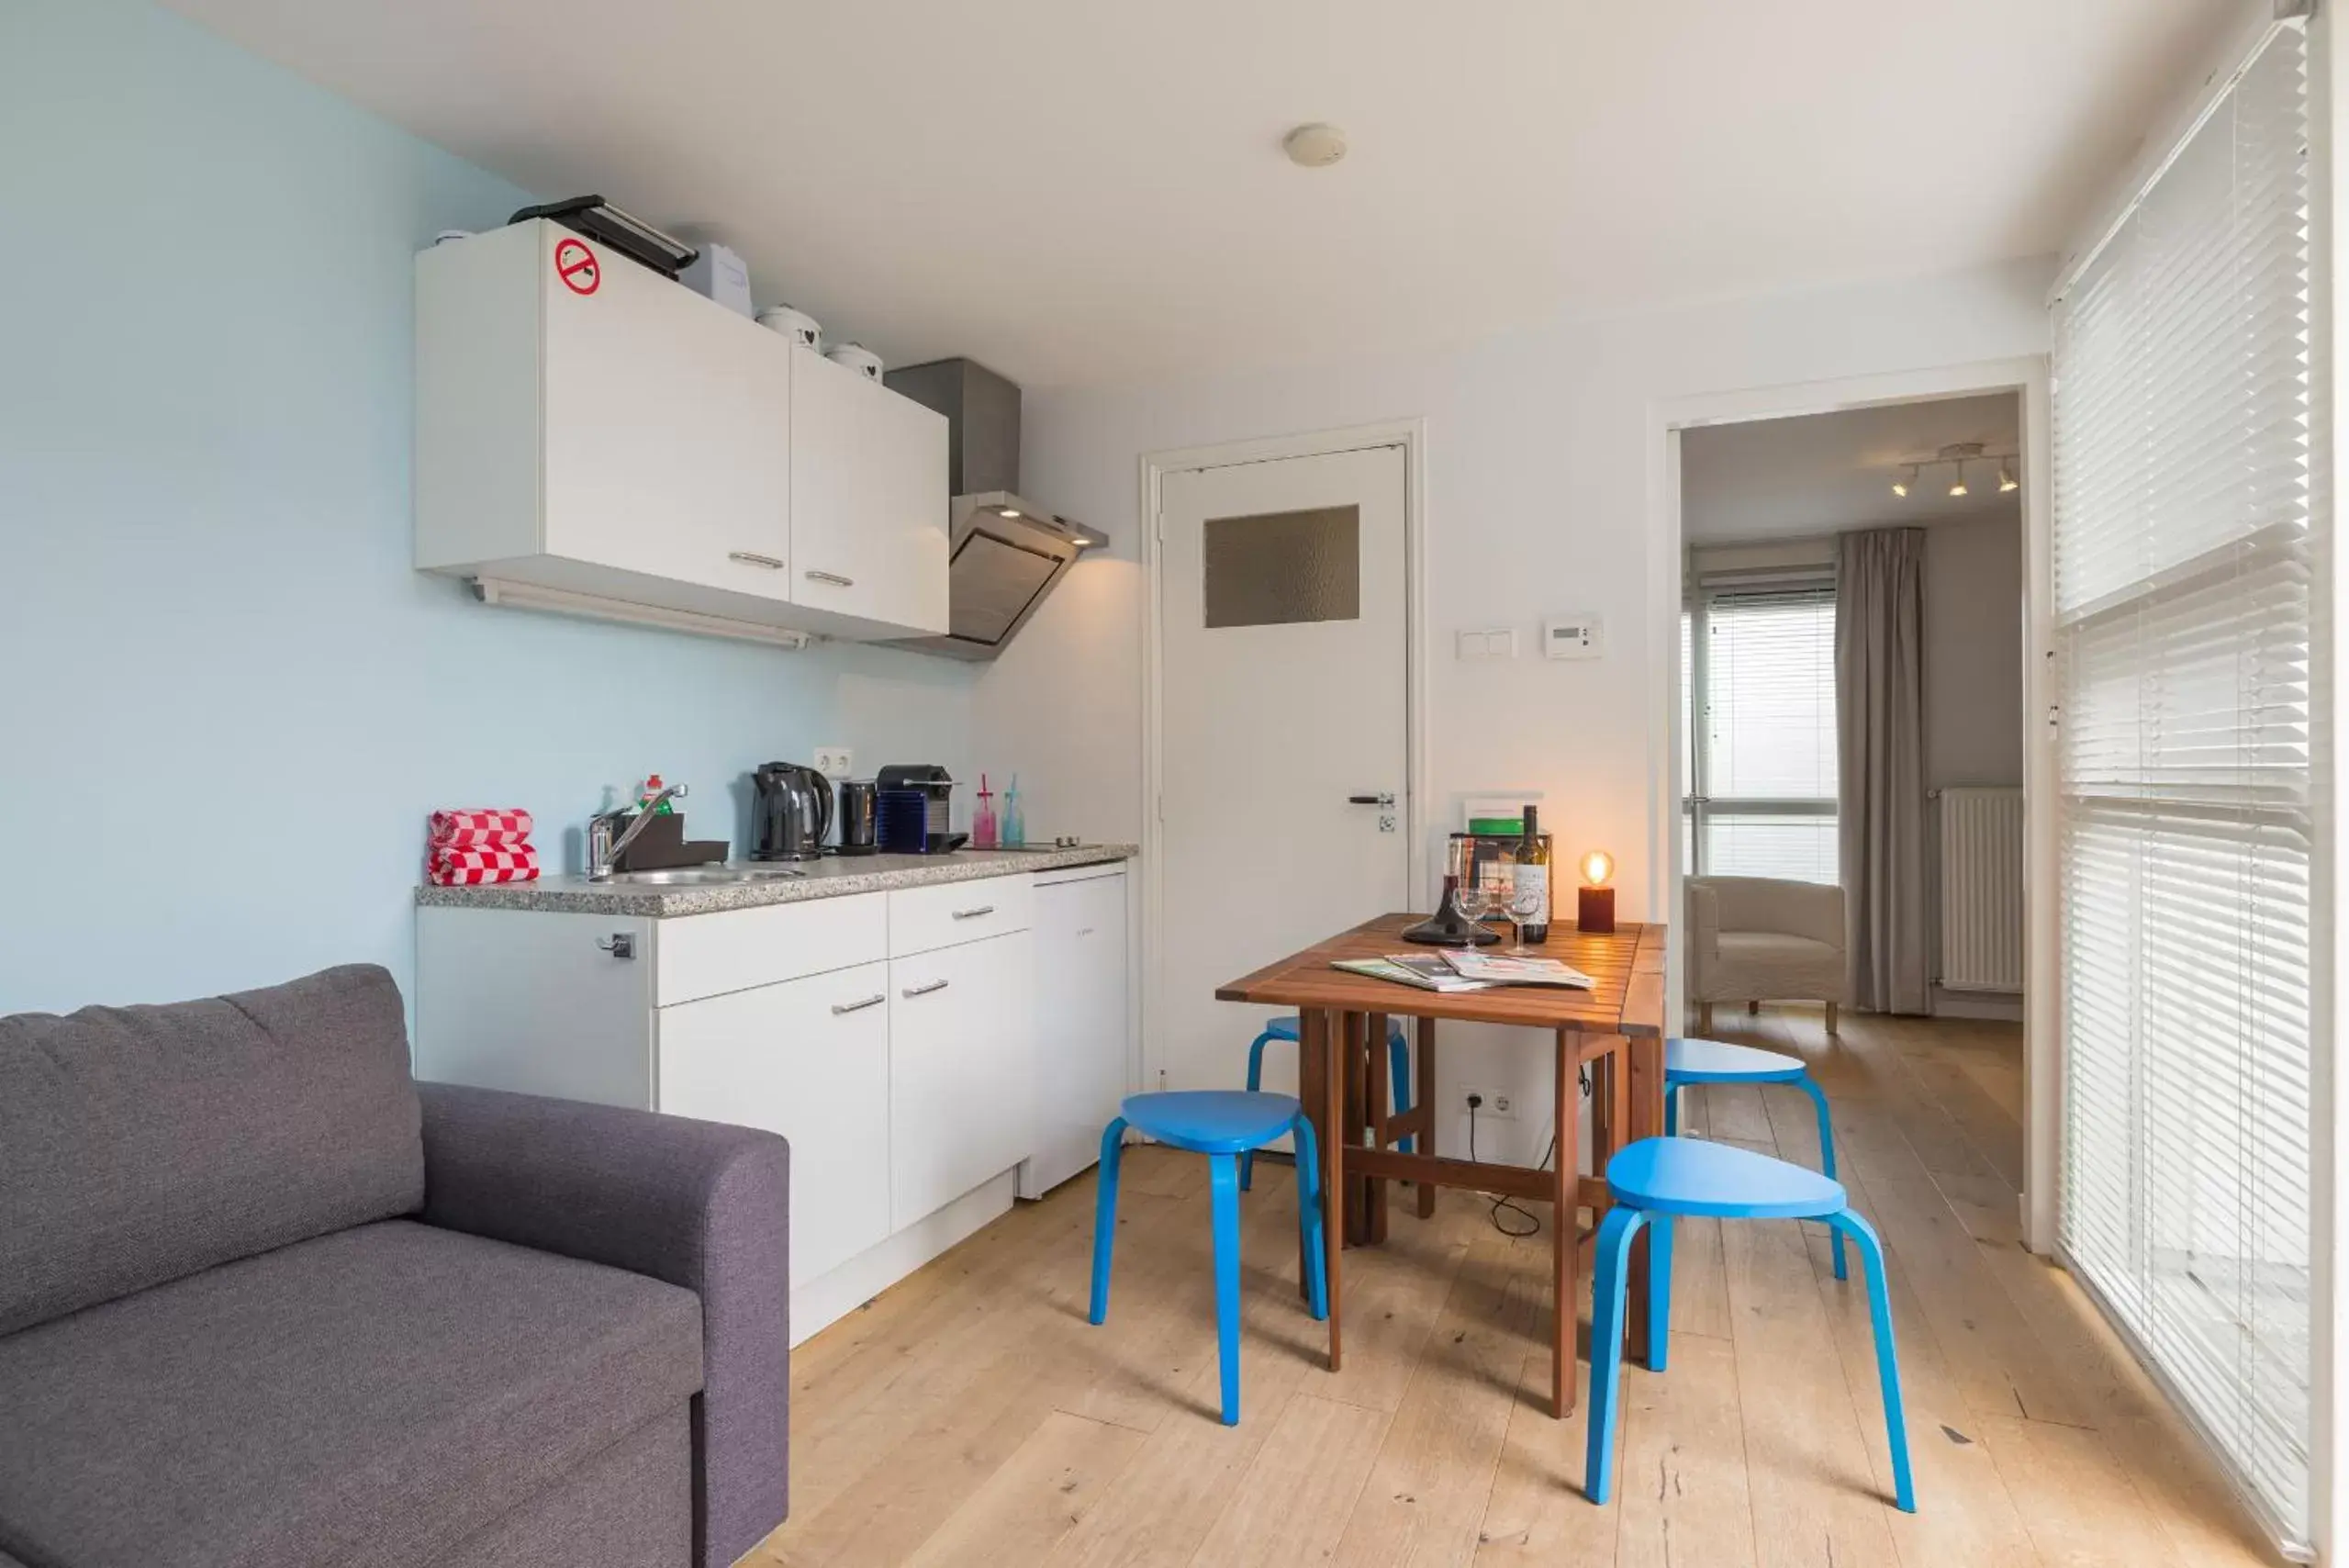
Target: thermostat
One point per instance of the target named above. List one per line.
(1573, 637)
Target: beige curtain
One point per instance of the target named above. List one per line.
(1880, 754)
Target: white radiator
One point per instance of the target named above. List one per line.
(1982, 889)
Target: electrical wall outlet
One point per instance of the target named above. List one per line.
(1493, 1108)
(834, 761)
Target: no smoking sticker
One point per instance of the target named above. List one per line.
(576, 266)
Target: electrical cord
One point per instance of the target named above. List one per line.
(1533, 1221)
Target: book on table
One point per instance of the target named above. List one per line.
(1426, 970)
(1499, 968)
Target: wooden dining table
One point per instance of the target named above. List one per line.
(1615, 1030)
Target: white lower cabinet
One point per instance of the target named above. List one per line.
(892, 1036)
(1080, 1067)
(809, 1060)
(961, 1035)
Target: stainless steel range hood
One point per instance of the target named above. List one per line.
(1005, 554)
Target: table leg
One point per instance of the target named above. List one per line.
(1311, 1067)
(1317, 1034)
(1375, 1099)
(1423, 1077)
(1565, 1229)
(1644, 1117)
(1347, 1039)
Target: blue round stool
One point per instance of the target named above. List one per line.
(1286, 1027)
(1659, 1177)
(1223, 1124)
(1718, 1062)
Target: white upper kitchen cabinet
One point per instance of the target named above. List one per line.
(868, 503)
(584, 423)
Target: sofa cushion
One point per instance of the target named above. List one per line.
(375, 1396)
(141, 1143)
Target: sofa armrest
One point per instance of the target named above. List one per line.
(694, 1204)
(1815, 909)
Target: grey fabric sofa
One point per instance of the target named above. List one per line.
(266, 1302)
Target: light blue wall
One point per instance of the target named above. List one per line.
(227, 701)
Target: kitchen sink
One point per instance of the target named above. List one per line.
(705, 876)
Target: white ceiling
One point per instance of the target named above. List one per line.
(1825, 472)
(1078, 190)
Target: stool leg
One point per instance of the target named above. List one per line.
(1660, 1288)
(1826, 1158)
(1613, 1252)
(1105, 1215)
(1254, 1085)
(1872, 1259)
(1224, 1191)
(1399, 1068)
(1309, 1218)
(1672, 1110)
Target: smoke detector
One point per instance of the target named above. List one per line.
(1315, 146)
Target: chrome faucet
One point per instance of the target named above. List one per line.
(607, 841)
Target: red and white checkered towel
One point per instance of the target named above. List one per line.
(449, 865)
(480, 828)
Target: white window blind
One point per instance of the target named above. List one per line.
(2186, 525)
(1762, 706)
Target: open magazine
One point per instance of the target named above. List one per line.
(1426, 970)
(1499, 968)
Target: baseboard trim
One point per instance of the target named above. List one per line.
(1992, 1006)
(821, 1302)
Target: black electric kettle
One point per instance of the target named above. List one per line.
(791, 811)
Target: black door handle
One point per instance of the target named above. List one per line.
(1369, 800)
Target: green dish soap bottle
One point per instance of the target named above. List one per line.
(1015, 827)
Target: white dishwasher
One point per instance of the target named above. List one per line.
(1083, 1019)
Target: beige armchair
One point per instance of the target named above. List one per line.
(1753, 939)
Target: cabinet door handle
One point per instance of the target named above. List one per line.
(621, 945)
(834, 578)
(925, 990)
(752, 558)
(974, 914)
(860, 1006)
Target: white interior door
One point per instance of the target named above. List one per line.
(1283, 733)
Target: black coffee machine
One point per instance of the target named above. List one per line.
(790, 812)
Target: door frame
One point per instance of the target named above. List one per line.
(2028, 376)
(1411, 435)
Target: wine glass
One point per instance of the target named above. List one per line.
(1526, 900)
(1473, 900)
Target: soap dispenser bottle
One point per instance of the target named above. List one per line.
(1015, 827)
(982, 822)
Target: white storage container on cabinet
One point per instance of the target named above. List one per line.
(868, 503)
(584, 423)
(809, 1059)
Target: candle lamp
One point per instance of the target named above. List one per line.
(1595, 901)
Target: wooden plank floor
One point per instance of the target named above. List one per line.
(970, 1416)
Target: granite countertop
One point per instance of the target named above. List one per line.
(834, 876)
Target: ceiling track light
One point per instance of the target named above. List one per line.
(1957, 455)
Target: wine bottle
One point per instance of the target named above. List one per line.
(1530, 882)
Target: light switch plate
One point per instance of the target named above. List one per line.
(1489, 643)
(835, 761)
(1574, 637)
